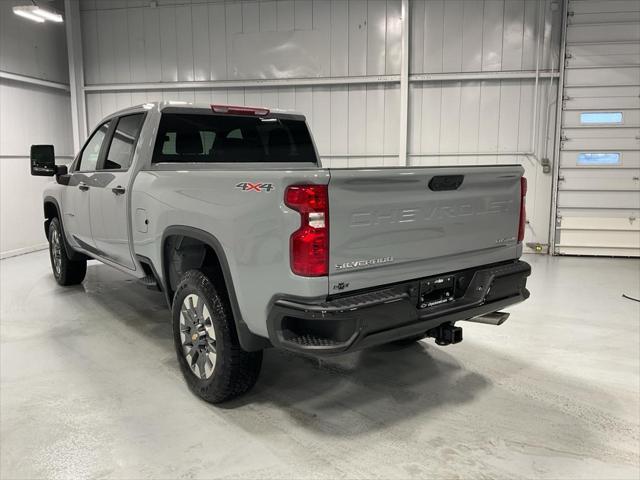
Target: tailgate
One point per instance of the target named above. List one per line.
(395, 224)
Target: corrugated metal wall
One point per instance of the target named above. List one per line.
(354, 47)
(598, 203)
(29, 114)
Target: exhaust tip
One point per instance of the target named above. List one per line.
(493, 318)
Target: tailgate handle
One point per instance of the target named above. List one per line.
(445, 182)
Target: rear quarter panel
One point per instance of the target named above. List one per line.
(252, 227)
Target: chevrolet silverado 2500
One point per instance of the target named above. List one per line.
(228, 211)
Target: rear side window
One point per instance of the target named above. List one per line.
(123, 142)
(202, 138)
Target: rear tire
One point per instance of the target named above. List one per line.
(65, 270)
(213, 363)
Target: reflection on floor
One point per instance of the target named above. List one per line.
(90, 388)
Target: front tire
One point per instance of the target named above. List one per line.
(213, 363)
(65, 270)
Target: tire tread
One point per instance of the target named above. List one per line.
(72, 272)
(236, 369)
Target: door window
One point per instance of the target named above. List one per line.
(123, 142)
(91, 150)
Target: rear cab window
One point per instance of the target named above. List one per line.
(201, 137)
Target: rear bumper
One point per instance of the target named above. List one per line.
(352, 322)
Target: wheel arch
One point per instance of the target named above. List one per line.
(52, 210)
(184, 248)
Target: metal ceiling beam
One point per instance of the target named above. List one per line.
(16, 77)
(318, 81)
(273, 82)
(463, 76)
(403, 159)
(76, 73)
(558, 133)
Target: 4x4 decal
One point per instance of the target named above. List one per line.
(255, 187)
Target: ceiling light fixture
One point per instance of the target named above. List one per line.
(25, 12)
(37, 13)
(48, 14)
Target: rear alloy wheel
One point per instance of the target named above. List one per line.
(213, 363)
(198, 336)
(65, 270)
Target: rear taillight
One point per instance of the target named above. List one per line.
(309, 245)
(523, 210)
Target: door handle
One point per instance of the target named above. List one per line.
(83, 186)
(119, 190)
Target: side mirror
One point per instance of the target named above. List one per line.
(43, 160)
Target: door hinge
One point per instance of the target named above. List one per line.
(561, 178)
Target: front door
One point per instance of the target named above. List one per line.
(76, 204)
(110, 200)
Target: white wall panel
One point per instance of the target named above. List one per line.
(136, 43)
(249, 39)
(200, 41)
(29, 114)
(152, 53)
(357, 42)
(217, 41)
(393, 39)
(492, 32)
(473, 116)
(452, 49)
(355, 119)
(481, 35)
(472, 36)
(433, 40)
(512, 45)
(32, 49)
(339, 120)
(168, 46)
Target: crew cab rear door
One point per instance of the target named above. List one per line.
(390, 225)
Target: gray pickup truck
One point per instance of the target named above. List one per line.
(228, 211)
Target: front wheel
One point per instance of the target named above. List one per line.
(213, 363)
(65, 270)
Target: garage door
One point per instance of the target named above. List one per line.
(599, 181)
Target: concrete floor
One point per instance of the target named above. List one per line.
(90, 388)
